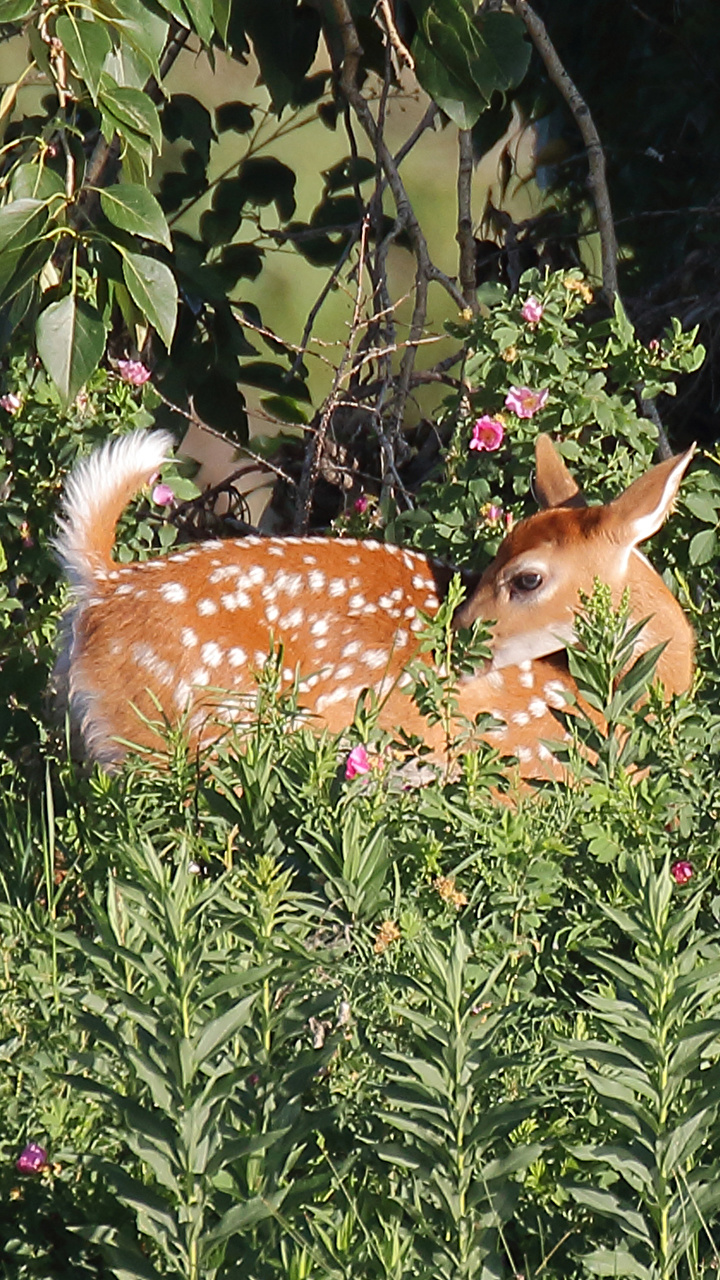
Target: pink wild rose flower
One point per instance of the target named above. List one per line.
(487, 434)
(525, 402)
(163, 495)
(32, 1159)
(133, 371)
(532, 311)
(681, 872)
(357, 763)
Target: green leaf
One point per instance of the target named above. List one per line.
(36, 182)
(610, 1206)
(222, 1029)
(272, 377)
(242, 1216)
(151, 284)
(617, 1262)
(284, 408)
(142, 28)
(70, 339)
(200, 13)
(702, 546)
(16, 10)
(703, 506)
(134, 111)
(87, 44)
(21, 222)
(133, 208)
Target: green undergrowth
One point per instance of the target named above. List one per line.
(263, 1016)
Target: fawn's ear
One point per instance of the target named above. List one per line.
(553, 485)
(640, 511)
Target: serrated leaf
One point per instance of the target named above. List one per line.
(133, 208)
(151, 285)
(70, 337)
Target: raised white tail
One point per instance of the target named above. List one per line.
(186, 633)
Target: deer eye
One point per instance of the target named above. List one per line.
(524, 583)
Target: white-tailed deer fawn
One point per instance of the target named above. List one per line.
(181, 637)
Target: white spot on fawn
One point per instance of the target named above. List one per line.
(205, 607)
(237, 657)
(375, 658)
(188, 638)
(537, 707)
(211, 654)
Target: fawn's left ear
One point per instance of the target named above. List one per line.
(553, 485)
(640, 511)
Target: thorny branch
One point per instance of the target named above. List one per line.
(596, 157)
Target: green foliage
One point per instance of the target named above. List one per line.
(260, 1016)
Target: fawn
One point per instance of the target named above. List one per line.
(181, 637)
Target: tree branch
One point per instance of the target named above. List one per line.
(596, 157)
(465, 237)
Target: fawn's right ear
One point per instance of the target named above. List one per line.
(553, 485)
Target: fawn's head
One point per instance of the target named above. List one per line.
(530, 591)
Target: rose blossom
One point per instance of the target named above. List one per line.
(357, 763)
(681, 872)
(133, 371)
(525, 402)
(487, 434)
(163, 495)
(532, 311)
(32, 1159)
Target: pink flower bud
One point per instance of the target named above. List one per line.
(525, 402)
(361, 504)
(357, 763)
(133, 371)
(163, 495)
(32, 1159)
(681, 872)
(487, 435)
(532, 311)
(10, 402)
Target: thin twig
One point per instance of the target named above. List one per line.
(313, 454)
(597, 179)
(393, 35)
(327, 287)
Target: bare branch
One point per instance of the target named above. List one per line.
(596, 157)
(465, 237)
